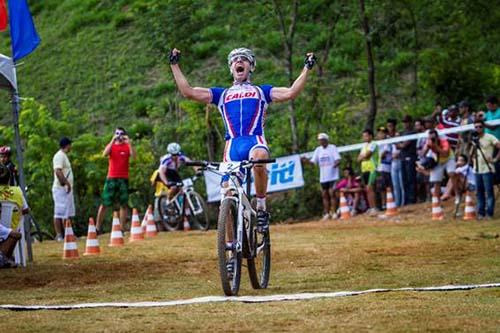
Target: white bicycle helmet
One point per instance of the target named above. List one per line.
(174, 148)
(242, 52)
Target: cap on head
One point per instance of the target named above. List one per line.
(244, 53)
(64, 142)
(323, 136)
(174, 148)
(5, 150)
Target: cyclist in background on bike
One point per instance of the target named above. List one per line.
(169, 166)
(243, 109)
(5, 153)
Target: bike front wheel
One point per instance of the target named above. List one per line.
(198, 212)
(169, 214)
(259, 265)
(229, 257)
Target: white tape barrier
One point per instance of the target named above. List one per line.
(244, 299)
(417, 136)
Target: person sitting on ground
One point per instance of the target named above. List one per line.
(351, 188)
(328, 159)
(9, 236)
(5, 154)
(368, 158)
(383, 168)
(439, 157)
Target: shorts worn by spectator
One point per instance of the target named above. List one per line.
(119, 151)
(327, 158)
(62, 187)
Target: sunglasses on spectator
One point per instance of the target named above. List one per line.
(119, 133)
(478, 127)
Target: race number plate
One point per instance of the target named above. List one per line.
(187, 182)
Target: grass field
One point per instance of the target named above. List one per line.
(307, 257)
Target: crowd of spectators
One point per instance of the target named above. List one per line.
(436, 163)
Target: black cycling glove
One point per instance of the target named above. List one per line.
(309, 61)
(174, 58)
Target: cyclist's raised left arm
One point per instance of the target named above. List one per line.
(282, 94)
(198, 94)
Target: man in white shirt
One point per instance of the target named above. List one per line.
(62, 188)
(328, 159)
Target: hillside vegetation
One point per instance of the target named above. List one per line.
(102, 63)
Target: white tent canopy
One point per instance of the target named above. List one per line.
(8, 78)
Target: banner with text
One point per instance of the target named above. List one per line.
(284, 174)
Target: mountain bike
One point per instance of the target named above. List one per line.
(186, 203)
(237, 235)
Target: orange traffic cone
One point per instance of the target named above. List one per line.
(92, 246)
(437, 210)
(136, 233)
(345, 214)
(390, 205)
(70, 246)
(151, 230)
(470, 210)
(116, 232)
(144, 222)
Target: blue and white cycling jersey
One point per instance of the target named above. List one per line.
(243, 108)
(168, 162)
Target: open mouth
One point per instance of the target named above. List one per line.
(240, 69)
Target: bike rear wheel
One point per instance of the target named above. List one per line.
(199, 213)
(259, 267)
(229, 258)
(169, 214)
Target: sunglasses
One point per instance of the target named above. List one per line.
(119, 133)
(240, 58)
(478, 127)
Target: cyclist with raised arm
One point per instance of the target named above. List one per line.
(243, 109)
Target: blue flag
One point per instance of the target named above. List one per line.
(24, 38)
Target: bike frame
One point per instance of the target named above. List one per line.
(236, 192)
(184, 191)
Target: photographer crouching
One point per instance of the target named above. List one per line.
(484, 145)
(438, 157)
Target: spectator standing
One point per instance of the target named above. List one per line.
(408, 155)
(10, 236)
(492, 113)
(62, 188)
(327, 158)
(466, 118)
(383, 168)
(5, 155)
(484, 168)
(119, 151)
(396, 165)
(368, 158)
(438, 148)
(423, 185)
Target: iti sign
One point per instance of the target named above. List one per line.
(284, 174)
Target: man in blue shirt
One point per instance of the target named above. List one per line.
(492, 113)
(243, 108)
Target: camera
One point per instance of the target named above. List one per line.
(427, 163)
(475, 137)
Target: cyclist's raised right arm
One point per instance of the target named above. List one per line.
(198, 94)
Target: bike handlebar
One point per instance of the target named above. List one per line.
(205, 164)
